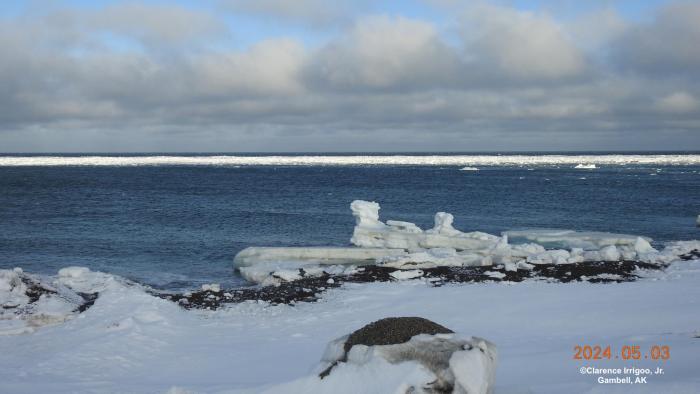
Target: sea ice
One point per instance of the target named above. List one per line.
(587, 240)
(316, 255)
(585, 166)
(403, 245)
(308, 160)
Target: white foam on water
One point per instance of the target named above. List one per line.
(320, 160)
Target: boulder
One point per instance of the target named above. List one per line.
(451, 363)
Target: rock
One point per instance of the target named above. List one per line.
(392, 330)
(457, 364)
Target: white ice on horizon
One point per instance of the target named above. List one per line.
(586, 166)
(354, 160)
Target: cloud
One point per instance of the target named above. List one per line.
(162, 77)
(314, 13)
(383, 52)
(666, 46)
(678, 102)
(520, 44)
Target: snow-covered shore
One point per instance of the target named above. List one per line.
(131, 341)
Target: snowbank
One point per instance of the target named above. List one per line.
(28, 302)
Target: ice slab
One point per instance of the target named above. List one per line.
(568, 239)
(312, 255)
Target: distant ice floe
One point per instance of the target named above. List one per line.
(469, 169)
(470, 161)
(405, 246)
(585, 166)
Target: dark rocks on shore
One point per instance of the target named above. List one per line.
(36, 289)
(310, 288)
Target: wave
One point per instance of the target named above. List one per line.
(354, 160)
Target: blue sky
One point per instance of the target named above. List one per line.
(265, 75)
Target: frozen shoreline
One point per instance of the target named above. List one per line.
(132, 341)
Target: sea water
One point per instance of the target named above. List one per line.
(178, 224)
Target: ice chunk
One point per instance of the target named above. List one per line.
(366, 214)
(609, 253)
(215, 287)
(407, 274)
(469, 169)
(585, 166)
(369, 232)
(436, 257)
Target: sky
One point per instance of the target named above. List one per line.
(349, 76)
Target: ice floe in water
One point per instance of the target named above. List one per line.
(469, 169)
(316, 160)
(405, 246)
(586, 166)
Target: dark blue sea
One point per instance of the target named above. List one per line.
(178, 226)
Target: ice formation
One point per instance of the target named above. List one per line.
(585, 166)
(31, 301)
(403, 245)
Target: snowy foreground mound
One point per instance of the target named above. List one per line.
(440, 360)
(405, 246)
(28, 301)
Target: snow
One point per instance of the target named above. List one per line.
(58, 303)
(466, 363)
(354, 160)
(130, 341)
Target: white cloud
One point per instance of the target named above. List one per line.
(678, 102)
(666, 46)
(384, 52)
(521, 44)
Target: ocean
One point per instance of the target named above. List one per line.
(176, 222)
